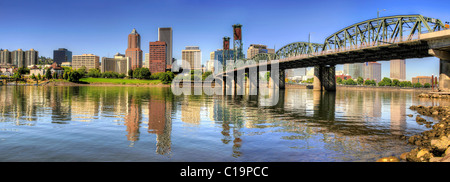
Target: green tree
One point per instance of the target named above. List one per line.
(130, 73)
(48, 74)
(339, 80)
(39, 77)
(385, 82)
(350, 82)
(427, 85)
(94, 73)
(205, 74)
(23, 71)
(360, 80)
(395, 82)
(309, 80)
(82, 70)
(166, 77)
(16, 75)
(141, 73)
(417, 85)
(33, 76)
(74, 76)
(370, 82)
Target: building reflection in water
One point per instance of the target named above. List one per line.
(223, 112)
(133, 119)
(345, 119)
(160, 122)
(398, 113)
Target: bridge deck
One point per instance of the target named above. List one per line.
(402, 48)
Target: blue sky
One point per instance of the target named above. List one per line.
(101, 27)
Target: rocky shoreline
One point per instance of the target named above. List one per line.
(434, 95)
(432, 145)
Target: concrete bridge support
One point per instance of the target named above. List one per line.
(444, 69)
(240, 82)
(253, 84)
(325, 78)
(224, 85)
(281, 77)
(444, 75)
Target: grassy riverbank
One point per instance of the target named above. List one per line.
(121, 81)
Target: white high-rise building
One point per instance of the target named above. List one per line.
(398, 69)
(373, 71)
(147, 60)
(193, 56)
(355, 70)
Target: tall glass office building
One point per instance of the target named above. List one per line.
(165, 35)
(219, 63)
(62, 55)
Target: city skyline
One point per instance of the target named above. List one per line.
(101, 27)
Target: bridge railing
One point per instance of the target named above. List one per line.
(364, 45)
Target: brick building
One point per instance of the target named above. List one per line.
(157, 56)
(134, 51)
(421, 79)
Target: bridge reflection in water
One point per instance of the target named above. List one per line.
(303, 125)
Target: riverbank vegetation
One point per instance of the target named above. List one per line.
(81, 75)
(118, 81)
(136, 76)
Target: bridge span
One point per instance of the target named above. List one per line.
(384, 38)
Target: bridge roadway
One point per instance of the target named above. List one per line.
(435, 43)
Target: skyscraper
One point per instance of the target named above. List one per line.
(62, 55)
(134, 49)
(157, 56)
(398, 69)
(219, 62)
(165, 35)
(146, 55)
(355, 70)
(5, 57)
(18, 58)
(193, 56)
(31, 57)
(373, 71)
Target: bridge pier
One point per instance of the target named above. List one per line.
(224, 85)
(253, 82)
(444, 75)
(240, 82)
(281, 77)
(444, 68)
(324, 78)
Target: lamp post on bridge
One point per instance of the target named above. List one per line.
(378, 12)
(309, 43)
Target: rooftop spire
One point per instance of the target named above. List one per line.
(134, 31)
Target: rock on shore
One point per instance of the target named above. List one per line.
(432, 145)
(431, 95)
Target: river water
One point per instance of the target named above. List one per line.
(151, 124)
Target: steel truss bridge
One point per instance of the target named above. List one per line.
(384, 38)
